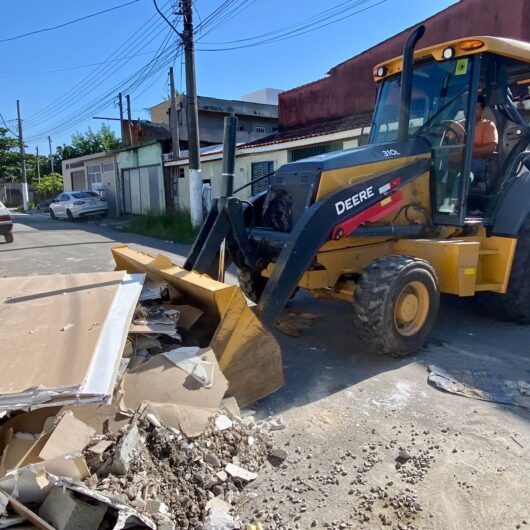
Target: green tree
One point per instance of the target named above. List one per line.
(51, 182)
(89, 142)
(9, 157)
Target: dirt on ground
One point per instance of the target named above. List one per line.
(398, 454)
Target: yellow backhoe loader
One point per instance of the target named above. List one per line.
(415, 213)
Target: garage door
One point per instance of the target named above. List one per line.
(143, 190)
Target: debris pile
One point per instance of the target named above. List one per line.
(115, 412)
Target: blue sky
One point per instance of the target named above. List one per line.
(59, 102)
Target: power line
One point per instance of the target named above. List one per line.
(99, 103)
(6, 126)
(165, 55)
(79, 67)
(297, 32)
(169, 23)
(71, 96)
(68, 23)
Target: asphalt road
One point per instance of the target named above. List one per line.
(339, 397)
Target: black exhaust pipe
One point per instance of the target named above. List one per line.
(406, 82)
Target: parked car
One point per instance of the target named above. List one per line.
(6, 224)
(72, 204)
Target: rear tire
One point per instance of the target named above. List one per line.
(252, 283)
(514, 305)
(396, 304)
(70, 215)
(9, 237)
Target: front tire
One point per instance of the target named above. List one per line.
(52, 214)
(395, 305)
(9, 237)
(252, 284)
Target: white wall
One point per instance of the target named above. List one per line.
(243, 172)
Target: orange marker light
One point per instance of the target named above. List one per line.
(469, 45)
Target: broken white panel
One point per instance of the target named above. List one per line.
(186, 359)
(35, 313)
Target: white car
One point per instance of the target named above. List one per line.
(72, 204)
(6, 224)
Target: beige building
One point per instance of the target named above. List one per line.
(96, 172)
(255, 120)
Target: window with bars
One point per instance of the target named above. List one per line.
(261, 129)
(313, 150)
(94, 177)
(260, 169)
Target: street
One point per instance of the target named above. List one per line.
(370, 442)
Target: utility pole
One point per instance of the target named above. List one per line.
(173, 117)
(51, 162)
(129, 120)
(195, 177)
(120, 104)
(51, 156)
(25, 196)
(38, 166)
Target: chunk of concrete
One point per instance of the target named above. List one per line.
(218, 520)
(155, 507)
(277, 452)
(130, 445)
(211, 459)
(222, 476)
(217, 504)
(222, 423)
(65, 512)
(240, 473)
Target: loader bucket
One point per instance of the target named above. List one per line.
(248, 355)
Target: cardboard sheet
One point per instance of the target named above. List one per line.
(178, 399)
(58, 447)
(62, 336)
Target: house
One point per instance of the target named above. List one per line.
(96, 172)
(256, 120)
(131, 178)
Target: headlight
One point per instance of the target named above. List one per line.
(448, 53)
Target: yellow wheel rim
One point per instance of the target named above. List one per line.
(411, 309)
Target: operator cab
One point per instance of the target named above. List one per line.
(466, 181)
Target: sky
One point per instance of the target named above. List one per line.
(65, 76)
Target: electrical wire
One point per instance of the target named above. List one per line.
(166, 54)
(169, 23)
(295, 33)
(79, 67)
(162, 55)
(132, 43)
(68, 23)
(7, 127)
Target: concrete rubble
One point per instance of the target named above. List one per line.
(166, 449)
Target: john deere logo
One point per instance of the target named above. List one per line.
(354, 200)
